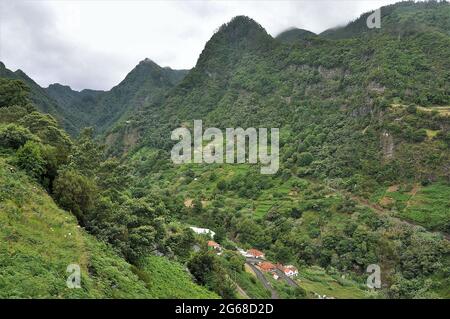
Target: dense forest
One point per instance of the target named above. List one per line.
(364, 178)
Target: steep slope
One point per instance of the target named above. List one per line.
(400, 19)
(145, 84)
(213, 87)
(357, 116)
(42, 100)
(39, 241)
(364, 123)
(79, 106)
(245, 78)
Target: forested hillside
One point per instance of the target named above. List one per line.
(144, 85)
(365, 146)
(39, 240)
(295, 35)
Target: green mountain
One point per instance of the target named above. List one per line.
(364, 177)
(39, 241)
(41, 99)
(295, 35)
(81, 107)
(402, 18)
(365, 142)
(145, 84)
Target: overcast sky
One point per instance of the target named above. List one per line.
(94, 44)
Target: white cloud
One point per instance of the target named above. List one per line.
(94, 44)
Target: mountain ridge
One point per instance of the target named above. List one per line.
(364, 145)
(97, 108)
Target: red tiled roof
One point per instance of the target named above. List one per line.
(212, 243)
(255, 252)
(286, 269)
(266, 266)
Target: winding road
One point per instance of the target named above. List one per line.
(291, 282)
(251, 263)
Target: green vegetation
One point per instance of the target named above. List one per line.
(425, 205)
(430, 207)
(39, 241)
(316, 281)
(75, 110)
(364, 138)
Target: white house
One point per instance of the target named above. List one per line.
(290, 271)
(244, 253)
(203, 231)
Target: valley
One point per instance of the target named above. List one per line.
(360, 118)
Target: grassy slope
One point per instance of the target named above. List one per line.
(425, 205)
(316, 281)
(38, 241)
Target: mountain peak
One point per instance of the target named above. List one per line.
(242, 34)
(147, 65)
(148, 61)
(58, 86)
(20, 73)
(241, 27)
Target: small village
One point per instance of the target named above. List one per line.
(256, 262)
(258, 258)
(253, 256)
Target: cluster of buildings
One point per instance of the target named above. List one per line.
(251, 253)
(256, 256)
(288, 270)
(267, 266)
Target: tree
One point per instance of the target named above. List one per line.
(141, 242)
(180, 241)
(208, 271)
(87, 155)
(420, 135)
(202, 266)
(13, 92)
(15, 136)
(197, 206)
(29, 158)
(46, 128)
(304, 159)
(296, 213)
(76, 193)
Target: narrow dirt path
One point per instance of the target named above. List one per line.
(413, 193)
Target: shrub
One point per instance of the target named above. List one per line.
(76, 193)
(29, 158)
(304, 159)
(420, 135)
(411, 109)
(13, 92)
